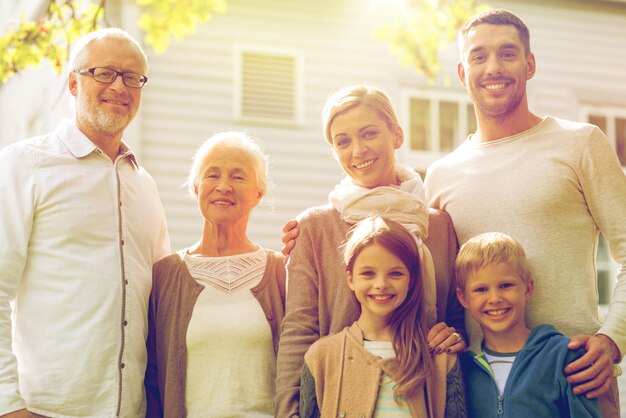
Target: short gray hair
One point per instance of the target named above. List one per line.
(79, 56)
(235, 139)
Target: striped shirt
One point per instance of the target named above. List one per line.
(500, 364)
(386, 405)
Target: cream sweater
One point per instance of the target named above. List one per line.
(553, 188)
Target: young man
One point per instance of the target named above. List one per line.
(81, 225)
(552, 184)
(518, 371)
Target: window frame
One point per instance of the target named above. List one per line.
(610, 113)
(421, 159)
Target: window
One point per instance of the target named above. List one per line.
(268, 85)
(438, 122)
(435, 123)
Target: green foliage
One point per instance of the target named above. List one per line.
(32, 41)
(164, 19)
(427, 27)
(27, 44)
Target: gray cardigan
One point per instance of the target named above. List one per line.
(174, 294)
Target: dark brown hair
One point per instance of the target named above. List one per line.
(497, 17)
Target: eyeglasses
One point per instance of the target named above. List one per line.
(108, 76)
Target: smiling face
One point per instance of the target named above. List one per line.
(380, 281)
(227, 187)
(494, 68)
(364, 145)
(107, 108)
(496, 298)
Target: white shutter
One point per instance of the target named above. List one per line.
(268, 86)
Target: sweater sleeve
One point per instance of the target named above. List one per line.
(579, 406)
(604, 186)
(455, 393)
(455, 313)
(308, 398)
(18, 197)
(300, 327)
(443, 246)
(153, 395)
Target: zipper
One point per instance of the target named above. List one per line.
(482, 362)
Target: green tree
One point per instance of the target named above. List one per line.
(427, 27)
(28, 43)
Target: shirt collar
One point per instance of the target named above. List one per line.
(126, 152)
(80, 146)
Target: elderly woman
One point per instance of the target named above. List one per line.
(216, 306)
(363, 131)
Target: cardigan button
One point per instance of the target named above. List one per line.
(342, 414)
(269, 317)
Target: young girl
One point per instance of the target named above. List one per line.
(381, 365)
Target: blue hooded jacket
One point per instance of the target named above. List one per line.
(536, 386)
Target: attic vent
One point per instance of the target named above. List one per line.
(268, 86)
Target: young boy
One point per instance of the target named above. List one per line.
(519, 371)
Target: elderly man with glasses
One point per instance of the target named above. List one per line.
(81, 225)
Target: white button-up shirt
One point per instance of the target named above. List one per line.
(78, 237)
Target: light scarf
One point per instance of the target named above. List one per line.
(404, 204)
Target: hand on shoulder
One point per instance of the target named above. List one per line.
(290, 233)
(591, 374)
(442, 338)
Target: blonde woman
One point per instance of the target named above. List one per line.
(362, 128)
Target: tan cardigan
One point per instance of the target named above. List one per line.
(319, 302)
(174, 294)
(347, 378)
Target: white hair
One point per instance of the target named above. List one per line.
(235, 139)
